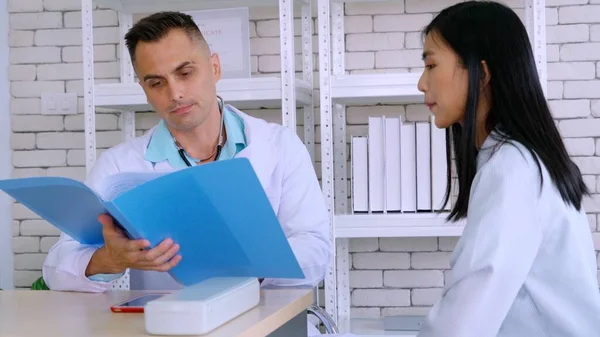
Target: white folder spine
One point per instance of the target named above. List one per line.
(376, 164)
(408, 168)
(392, 164)
(423, 166)
(439, 168)
(360, 190)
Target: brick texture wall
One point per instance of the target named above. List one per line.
(389, 275)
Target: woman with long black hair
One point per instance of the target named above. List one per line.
(525, 264)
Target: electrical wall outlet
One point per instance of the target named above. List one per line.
(59, 103)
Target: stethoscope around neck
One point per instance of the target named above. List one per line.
(219, 146)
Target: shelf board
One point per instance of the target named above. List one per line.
(395, 225)
(150, 6)
(246, 93)
(370, 327)
(367, 89)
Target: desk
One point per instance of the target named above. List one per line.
(281, 312)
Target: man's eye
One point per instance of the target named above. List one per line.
(429, 66)
(154, 84)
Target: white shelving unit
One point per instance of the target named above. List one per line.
(364, 89)
(285, 91)
(338, 89)
(394, 225)
(265, 92)
(6, 254)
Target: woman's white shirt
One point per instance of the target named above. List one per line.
(525, 264)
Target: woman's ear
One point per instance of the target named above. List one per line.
(485, 75)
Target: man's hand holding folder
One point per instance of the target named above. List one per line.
(120, 253)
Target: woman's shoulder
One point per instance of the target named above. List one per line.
(508, 160)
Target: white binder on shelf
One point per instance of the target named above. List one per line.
(408, 167)
(392, 165)
(376, 164)
(360, 189)
(423, 166)
(439, 169)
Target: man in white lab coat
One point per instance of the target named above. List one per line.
(178, 75)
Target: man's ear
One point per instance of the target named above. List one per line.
(485, 74)
(216, 66)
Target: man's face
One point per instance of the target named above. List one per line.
(179, 78)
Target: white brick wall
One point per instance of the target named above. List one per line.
(45, 56)
(389, 276)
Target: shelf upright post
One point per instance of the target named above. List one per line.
(88, 84)
(337, 34)
(340, 181)
(127, 117)
(327, 146)
(535, 20)
(307, 75)
(89, 102)
(125, 23)
(288, 73)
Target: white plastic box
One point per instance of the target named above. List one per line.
(201, 308)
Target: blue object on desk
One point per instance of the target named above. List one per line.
(218, 213)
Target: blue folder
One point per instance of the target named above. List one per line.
(218, 213)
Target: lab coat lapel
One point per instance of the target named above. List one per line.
(258, 150)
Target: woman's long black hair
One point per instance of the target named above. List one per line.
(488, 31)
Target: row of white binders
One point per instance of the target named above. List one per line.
(398, 167)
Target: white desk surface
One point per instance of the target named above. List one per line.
(51, 313)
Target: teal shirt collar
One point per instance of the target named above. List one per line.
(162, 146)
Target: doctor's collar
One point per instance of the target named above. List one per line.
(161, 146)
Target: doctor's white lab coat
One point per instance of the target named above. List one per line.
(286, 173)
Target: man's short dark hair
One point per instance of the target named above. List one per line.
(156, 26)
